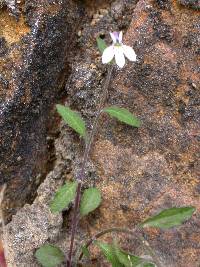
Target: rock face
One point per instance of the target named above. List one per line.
(39, 227)
(195, 4)
(33, 54)
(139, 171)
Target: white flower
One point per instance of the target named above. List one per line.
(118, 50)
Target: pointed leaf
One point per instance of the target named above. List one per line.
(72, 119)
(101, 44)
(49, 256)
(85, 251)
(109, 253)
(129, 260)
(90, 200)
(123, 115)
(169, 218)
(63, 197)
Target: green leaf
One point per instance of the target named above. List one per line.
(109, 253)
(90, 200)
(119, 258)
(49, 256)
(169, 218)
(85, 251)
(123, 115)
(129, 260)
(146, 264)
(101, 44)
(63, 197)
(72, 119)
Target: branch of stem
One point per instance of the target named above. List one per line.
(106, 231)
(145, 244)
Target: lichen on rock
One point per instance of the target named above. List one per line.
(139, 171)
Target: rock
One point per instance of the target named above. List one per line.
(33, 56)
(117, 8)
(2, 3)
(142, 171)
(34, 225)
(13, 7)
(195, 4)
(41, 226)
(139, 171)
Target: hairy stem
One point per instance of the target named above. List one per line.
(85, 159)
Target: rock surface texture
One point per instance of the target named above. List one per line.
(139, 171)
(33, 53)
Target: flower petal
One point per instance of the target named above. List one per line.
(114, 37)
(119, 56)
(120, 37)
(108, 54)
(129, 52)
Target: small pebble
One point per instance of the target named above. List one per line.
(79, 33)
(194, 85)
(94, 21)
(95, 16)
(103, 11)
(19, 158)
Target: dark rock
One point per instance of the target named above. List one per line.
(192, 41)
(163, 4)
(12, 6)
(30, 81)
(195, 4)
(3, 46)
(161, 30)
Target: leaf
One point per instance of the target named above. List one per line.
(90, 200)
(49, 256)
(63, 197)
(169, 218)
(119, 258)
(147, 264)
(109, 253)
(123, 115)
(72, 119)
(85, 251)
(101, 44)
(129, 260)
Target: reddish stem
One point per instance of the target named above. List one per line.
(85, 159)
(2, 259)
